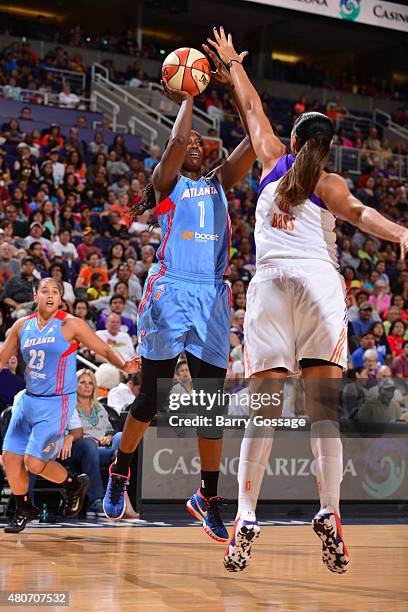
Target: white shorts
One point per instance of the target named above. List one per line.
(295, 312)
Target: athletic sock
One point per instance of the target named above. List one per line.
(328, 453)
(123, 461)
(23, 502)
(209, 484)
(254, 456)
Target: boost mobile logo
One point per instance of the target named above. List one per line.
(187, 235)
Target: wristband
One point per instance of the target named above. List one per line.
(231, 61)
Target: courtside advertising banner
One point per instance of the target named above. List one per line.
(375, 469)
(371, 12)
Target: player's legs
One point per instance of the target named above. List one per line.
(16, 471)
(256, 448)
(139, 417)
(321, 350)
(203, 504)
(322, 391)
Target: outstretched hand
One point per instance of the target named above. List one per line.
(132, 366)
(175, 95)
(224, 47)
(221, 73)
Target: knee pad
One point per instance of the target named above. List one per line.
(143, 408)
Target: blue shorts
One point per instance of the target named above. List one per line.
(189, 313)
(37, 425)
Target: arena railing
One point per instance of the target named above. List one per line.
(30, 96)
(74, 79)
(151, 136)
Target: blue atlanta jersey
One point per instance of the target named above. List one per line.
(50, 360)
(196, 228)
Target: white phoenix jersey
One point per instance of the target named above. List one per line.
(304, 232)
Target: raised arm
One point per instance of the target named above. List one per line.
(243, 156)
(83, 333)
(11, 344)
(166, 172)
(333, 190)
(267, 146)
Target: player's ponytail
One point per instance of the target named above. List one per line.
(314, 133)
(147, 202)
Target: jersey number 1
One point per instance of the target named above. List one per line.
(202, 212)
(37, 359)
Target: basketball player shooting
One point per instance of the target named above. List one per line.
(48, 341)
(296, 316)
(186, 303)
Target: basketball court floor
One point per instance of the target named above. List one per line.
(136, 565)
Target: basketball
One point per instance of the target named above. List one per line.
(186, 69)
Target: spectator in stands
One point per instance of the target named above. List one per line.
(381, 342)
(396, 338)
(9, 266)
(97, 145)
(53, 140)
(36, 235)
(368, 194)
(383, 409)
(399, 365)
(363, 323)
(83, 453)
(373, 142)
(87, 245)
(299, 107)
(11, 381)
(119, 340)
(237, 330)
(115, 257)
(153, 159)
(381, 297)
(393, 315)
(19, 291)
(25, 114)
(366, 342)
(97, 287)
(63, 247)
(93, 265)
(341, 139)
(20, 227)
(119, 146)
(184, 385)
(117, 305)
(57, 272)
(41, 261)
(12, 132)
(81, 310)
(67, 98)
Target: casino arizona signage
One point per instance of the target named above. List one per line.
(381, 13)
(371, 12)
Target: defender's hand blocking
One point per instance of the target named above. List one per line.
(132, 366)
(221, 73)
(225, 48)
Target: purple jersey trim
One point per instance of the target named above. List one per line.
(282, 166)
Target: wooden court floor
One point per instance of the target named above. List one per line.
(123, 569)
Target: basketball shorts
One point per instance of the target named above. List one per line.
(295, 312)
(37, 425)
(188, 313)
